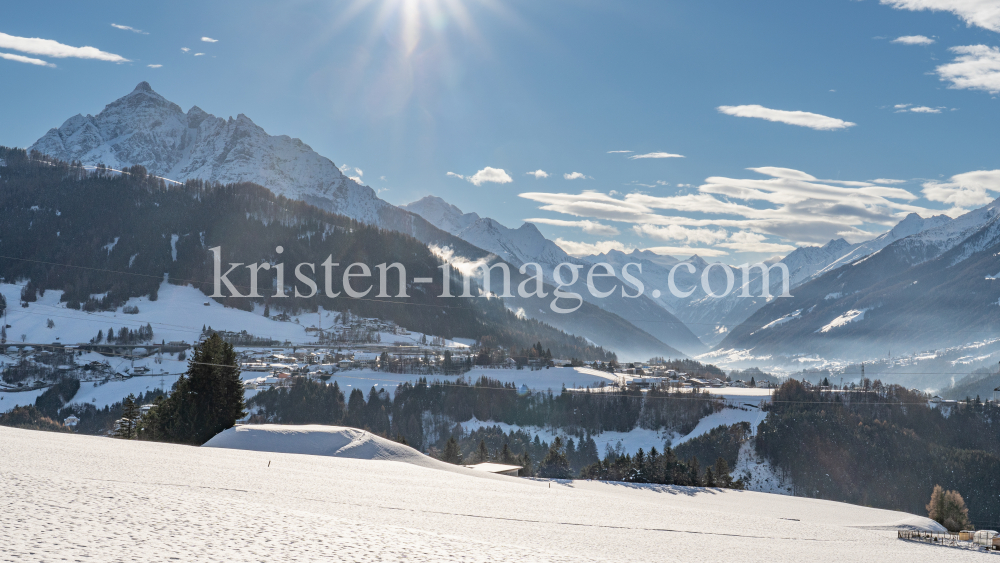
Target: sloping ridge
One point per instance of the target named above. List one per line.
(316, 439)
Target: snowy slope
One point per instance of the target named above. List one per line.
(911, 225)
(77, 498)
(710, 318)
(930, 290)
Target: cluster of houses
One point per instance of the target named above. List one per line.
(649, 377)
(277, 367)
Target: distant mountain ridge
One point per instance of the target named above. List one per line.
(527, 245)
(144, 128)
(932, 289)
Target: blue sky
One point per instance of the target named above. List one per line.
(410, 90)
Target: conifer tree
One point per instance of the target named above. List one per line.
(451, 452)
(207, 399)
(506, 456)
(555, 465)
(527, 470)
(129, 420)
(482, 454)
(694, 473)
(722, 476)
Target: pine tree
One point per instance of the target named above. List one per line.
(451, 452)
(207, 399)
(555, 465)
(709, 477)
(506, 456)
(526, 468)
(129, 420)
(722, 476)
(694, 473)
(482, 455)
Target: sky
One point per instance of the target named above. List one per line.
(734, 130)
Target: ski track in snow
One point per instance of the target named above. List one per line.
(70, 497)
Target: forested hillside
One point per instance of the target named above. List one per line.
(102, 237)
(882, 446)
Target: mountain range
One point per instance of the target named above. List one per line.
(934, 288)
(143, 128)
(527, 245)
(839, 287)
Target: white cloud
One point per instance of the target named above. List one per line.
(791, 205)
(574, 248)
(209, 40)
(488, 174)
(155, 66)
(185, 49)
(965, 190)
(800, 118)
(913, 40)
(676, 232)
(614, 152)
(574, 176)
(129, 28)
(747, 241)
(684, 251)
(199, 54)
(977, 67)
(50, 48)
(28, 60)
(655, 155)
(982, 13)
(910, 108)
(589, 227)
(886, 181)
(539, 173)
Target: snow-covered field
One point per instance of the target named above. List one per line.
(71, 497)
(178, 314)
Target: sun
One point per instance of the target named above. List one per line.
(413, 22)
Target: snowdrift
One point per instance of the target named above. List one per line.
(315, 439)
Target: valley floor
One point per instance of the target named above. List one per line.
(80, 498)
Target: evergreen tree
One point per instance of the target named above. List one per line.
(694, 473)
(356, 409)
(555, 465)
(722, 476)
(526, 468)
(207, 399)
(506, 456)
(129, 420)
(482, 454)
(451, 452)
(709, 478)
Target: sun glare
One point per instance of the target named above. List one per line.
(411, 22)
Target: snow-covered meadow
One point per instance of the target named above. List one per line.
(71, 497)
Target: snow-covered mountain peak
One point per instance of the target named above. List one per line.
(145, 128)
(441, 214)
(837, 245)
